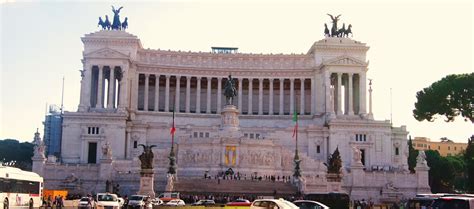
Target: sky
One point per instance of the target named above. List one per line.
(412, 44)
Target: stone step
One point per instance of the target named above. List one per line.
(194, 185)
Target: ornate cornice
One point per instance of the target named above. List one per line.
(224, 61)
(236, 73)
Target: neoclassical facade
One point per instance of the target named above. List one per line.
(128, 94)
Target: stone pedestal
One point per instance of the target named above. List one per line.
(147, 180)
(230, 121)
(333, 182)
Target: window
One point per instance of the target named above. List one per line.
(449, 148)
(93, 130)
(318, 149)
(357, 137)
(365, 137)
(455, 148)
(135, 144)
(246, 135)
(195, 134)
(207, 134)
(397, 152)
(201, 134)
(439, 147)
(257, 136)
(251, 136)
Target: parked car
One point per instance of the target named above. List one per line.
(86, 203)
(121, 201)
(167, 196)
(107, 200)
(204, 202)
(239, 202)
(273, 204)
(453, 202)
(139, 202)
(157, 201)
(309, 204)
(176, 202)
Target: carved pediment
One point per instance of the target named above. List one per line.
(345, 61)
(106, 53)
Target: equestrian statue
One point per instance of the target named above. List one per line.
(229, 90)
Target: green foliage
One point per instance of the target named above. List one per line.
(446, 173)
(469, 159)
(412, 153)
(451, 96)
(12, 150)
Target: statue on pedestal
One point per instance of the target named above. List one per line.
(229, 90)
(357, 155)
(146, 158)
(106, 151)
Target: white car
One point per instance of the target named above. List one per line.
(309, 204)
(156, 201)
(107, 200)
(86, 203)
(176, 202)
(139, 202)
(273, 204)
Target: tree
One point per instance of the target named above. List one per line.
(451, 96)
(469, 159)
(412, 153)
(13, 151)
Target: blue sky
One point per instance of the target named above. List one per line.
(413, 43)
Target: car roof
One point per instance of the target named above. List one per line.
(312, 201)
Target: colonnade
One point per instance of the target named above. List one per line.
(255, 95)
(105, 86)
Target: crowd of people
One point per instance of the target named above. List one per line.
(239, 176)
(56, 202)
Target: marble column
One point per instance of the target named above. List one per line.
(313, 96)
(339, 103)
(147, 83)
(329, 106)
(292, 95)
(100, 88)
(240, 94)
(208, 103)
(250, 96)
(157, 93)
(302, 96)
(188, 93)
(270, 104)
(362, 94)
(177, 95)
(167, 94)
(111, 100)
(123, 89)
(351, 106)
(260, 96)
(86, 77)
(219, 95)
(198, 95)
(282, 81)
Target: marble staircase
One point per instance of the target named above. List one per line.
(203, 186)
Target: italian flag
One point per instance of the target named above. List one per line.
(295, 119)
(173, 129)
